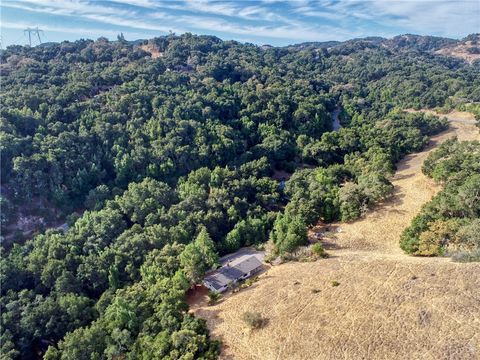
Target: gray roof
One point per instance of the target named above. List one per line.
(249, 264)
(223, 277)
(229, 273)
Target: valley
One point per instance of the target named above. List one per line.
(131, 168)
(388, 305)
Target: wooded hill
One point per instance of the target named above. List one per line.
(170, 155)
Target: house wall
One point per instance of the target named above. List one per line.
(254, 271)
(210, 287)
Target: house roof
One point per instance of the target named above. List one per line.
(232, 272)
(223, 277)
(248, 264)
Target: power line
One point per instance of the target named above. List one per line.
(34, 31)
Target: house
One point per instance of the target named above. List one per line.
(232, 272)
(64, 227)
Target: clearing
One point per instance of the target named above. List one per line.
(388, 305)
(466, 50)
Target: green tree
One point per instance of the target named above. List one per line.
(198, 257)
(289, 233)
(82, 344)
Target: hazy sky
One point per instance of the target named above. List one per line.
(273, 22)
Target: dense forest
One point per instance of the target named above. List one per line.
(450, 223)
(164, 154)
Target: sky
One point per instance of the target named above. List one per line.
(274, 22)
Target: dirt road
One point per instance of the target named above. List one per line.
(388, 305)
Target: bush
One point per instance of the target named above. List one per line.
(469, 235)
(250, 282)
(440, 233)
(467, 256)
(318, 250)
(305, 253)
(254, 320)
(335, 283)
(213, 297)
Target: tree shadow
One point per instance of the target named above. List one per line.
(329, 244)
(402, 177)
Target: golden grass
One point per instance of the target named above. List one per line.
(387, 305)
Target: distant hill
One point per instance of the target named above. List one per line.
(316, 44)
(162, 154)
(467, 48)
(418, 42)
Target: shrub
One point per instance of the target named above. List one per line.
(467, 256)
(305, 253)
(213, 297)
(254, 320)
(469, 235)
(440, 233)
(251, 281)
(318, 250)
(335, 283)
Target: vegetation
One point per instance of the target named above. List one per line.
(254, 320)
(170, 162)
(473, 108)
(213, 297)
(318, 250)
(467, 256)
(450, 223)
(249, 282)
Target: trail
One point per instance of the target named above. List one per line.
(380, 230)
(388, 305)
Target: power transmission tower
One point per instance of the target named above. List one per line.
(34, 31)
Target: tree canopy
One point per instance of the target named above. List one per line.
(450, 222)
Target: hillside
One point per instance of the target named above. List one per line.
(388, 304)
(467, 49)
(136, 165)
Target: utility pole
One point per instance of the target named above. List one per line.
(34, 31)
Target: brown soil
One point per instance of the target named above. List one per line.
(152, 49)
(197, 296)
(388, 305)
(460, 50)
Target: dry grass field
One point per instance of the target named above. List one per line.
(387, 305)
